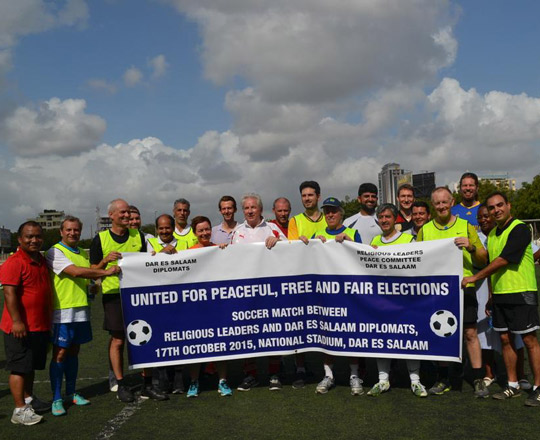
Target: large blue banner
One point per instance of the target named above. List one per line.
(399, 301)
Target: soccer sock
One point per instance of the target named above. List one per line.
(514, 384)
(413, 366)
(28, 400)
(328, 370)
(383, 365)
(71, 370)
(354, 369)
(147, 380)
(56, 373)
(443, 374)
(478, 373)
(274, 365)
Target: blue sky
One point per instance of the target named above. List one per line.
(155, 100)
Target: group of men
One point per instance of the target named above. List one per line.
(49, 295)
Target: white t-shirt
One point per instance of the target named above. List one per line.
(243, 233)
(366, 225)
(57, 262)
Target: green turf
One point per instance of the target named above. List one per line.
(261, 414)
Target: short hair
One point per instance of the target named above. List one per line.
(405, 186)
(252, 196)
(496, 193)
(71, 218)
(285, 199)
(31, 223)
(387, 207)
(442, 188)
(181, 202)
(420, 204)
(310, 184)
(367, 188)
(198, 220)
(112, 204)
(133, 208)
(470, 176)
(227, 199)
(170, 217)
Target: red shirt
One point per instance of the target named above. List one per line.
(284, 230)
(33, 289)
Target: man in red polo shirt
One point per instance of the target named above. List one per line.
(26, 320)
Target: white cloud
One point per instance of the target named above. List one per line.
(24, 17)
(132, 76)
(314, 51)
(102, 84)
(56, 127)
(159, 66)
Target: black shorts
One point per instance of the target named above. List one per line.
(470, 306)
(515, 318)
(113, 320)
(24, 355)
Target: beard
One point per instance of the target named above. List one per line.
(367, 209)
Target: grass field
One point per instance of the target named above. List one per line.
(261, 414)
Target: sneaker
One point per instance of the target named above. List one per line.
(418, 389)
(79, 400)
(25, 416)
(325, 385)
(248, 383)
(507, 393)
(524, 385)
(193, 390)
(224, 389)
(356, 386)
(534, 398)
(57, 408)
(113, 384)
(299, 380)
(488, 381)
(124, 394)
(150, 392)
(480, 389)
(275, 383)
(439, 388)
(380, 387)
(39, 406)
(178, 383)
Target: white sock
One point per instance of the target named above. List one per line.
(383, 365)
(413, 366)
(535, 387)
(514, 384)
(354, 369)
(28, 400)
(328, 370)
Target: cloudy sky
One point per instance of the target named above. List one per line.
(152, 100)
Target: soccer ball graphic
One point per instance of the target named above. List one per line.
(139, 332)
(443, 323)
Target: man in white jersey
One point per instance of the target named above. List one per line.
(365, 221)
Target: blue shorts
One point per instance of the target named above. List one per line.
(69, 333)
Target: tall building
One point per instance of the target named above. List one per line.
(391, 178)
(424, 183)
(501, 181)
(50, 218)
(5, 240)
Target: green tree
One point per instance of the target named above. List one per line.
(351, 206)
(526, 200)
